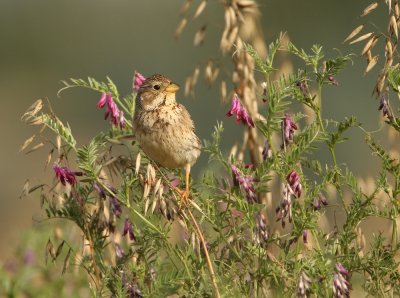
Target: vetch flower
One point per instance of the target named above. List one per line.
(138, 80)
(265, 91)
(266, 152)
(112, 110)
(128, 229)
(246, 183)
(65, 175)
(99, 190)
(305, 236)
(341, 286)
(261, 233)
(320, 200)
(303, 285)
(288, 127)
(333, 80)
(115, 206)
(119, 252)
(384, 106)
(294, 183)
(285, 205)
(303, 86)
(240, 111)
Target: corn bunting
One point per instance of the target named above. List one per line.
(164, 128)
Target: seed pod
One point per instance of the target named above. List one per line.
(199, 36)
(182, 24)
(362, 37)
(369, 9)
(354, 33)
(371, 63)
(200, 9)
(137, 166)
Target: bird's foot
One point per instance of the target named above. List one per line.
(184, 194)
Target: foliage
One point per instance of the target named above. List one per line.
(138, 240)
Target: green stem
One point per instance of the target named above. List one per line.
(319, 109)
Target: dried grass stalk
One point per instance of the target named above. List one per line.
(371, 63)
(362, 37)
(354, 33)
(369, 8)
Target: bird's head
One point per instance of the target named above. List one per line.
(156, 90)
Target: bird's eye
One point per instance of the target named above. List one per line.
(157, 87)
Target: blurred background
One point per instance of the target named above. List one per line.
(46, 41)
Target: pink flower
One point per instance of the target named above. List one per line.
(294, 183)
(240, 111)
(138, 80)
(246, 183)
(112, 111)
(288, 127)
(128, 229)
(65, 175)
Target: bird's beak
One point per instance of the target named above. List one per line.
(172, 88)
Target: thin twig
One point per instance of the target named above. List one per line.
(209, 264)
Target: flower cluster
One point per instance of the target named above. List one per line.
(320, 200)
(294, 183)
(128, 229)
(303, 86)
(285, 205)
(261, 233)
(288, 127)
(246, 182)
(65, 175)
(292, 187)
(240, 111)
(384, 106)
(115, 205)
(138, 80)
(112, 111)
(341, 287)
(303, 286)
(266, 152)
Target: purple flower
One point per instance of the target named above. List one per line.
(303, 286)
(119, 252)
(128, 229)
(294, 183)
(138, 80)
(333, 80)
(266, 152)
(261, 233)
(341, 287)
(65, 175)
(288, 127)
(99, 190)
(246, 183)
(320, 200)
(115, 206)
(285, 205)
(265, 91)
(112, 111)
(240, 111)
(29, 257)
(305, 236)
(384, 106)
(303, 86)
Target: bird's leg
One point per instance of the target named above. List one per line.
(185, 193)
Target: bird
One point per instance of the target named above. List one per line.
(164, 128)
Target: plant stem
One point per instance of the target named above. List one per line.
(209, 264)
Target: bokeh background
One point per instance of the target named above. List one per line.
(46, 41)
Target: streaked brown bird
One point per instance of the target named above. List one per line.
(164, 128)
